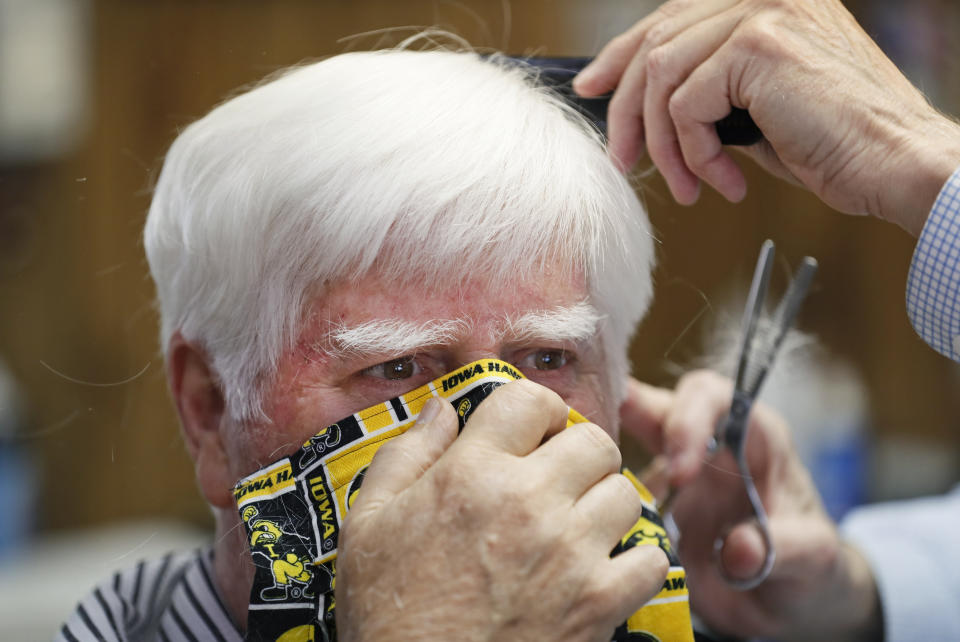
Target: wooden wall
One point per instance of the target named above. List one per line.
(78, 330)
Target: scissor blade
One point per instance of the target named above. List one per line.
(754, 308)
(766, 348)
(796, 292)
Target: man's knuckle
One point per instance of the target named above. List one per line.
(627, 494)
(455, 485)
(678, 106)
(779, 6)
(696, 161)
(601, 598)
(620, 43)
(674, 8)
(599, 441)
(658, 65)
(660, 32)
(763, 34)
(530, 392)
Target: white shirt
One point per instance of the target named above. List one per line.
(913, 547)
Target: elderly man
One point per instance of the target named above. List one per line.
(354, 229)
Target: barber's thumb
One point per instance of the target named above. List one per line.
(807, 546)
(742, 552)
(404, 459)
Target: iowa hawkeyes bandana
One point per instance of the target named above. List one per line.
(293, 510)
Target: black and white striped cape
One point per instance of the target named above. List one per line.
(169, 599)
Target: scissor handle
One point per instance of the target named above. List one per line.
(770, 554)
(733, 434)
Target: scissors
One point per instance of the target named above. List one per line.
(757, 352)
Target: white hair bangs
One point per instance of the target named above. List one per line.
(428, 166)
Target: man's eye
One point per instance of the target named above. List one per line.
(549, 359)
(397, 369)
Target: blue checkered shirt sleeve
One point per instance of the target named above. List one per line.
(933, 286)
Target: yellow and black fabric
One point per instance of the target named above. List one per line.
(293, 509)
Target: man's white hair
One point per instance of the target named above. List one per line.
(430, 167)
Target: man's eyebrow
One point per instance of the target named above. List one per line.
(392, 336)
(578, 322)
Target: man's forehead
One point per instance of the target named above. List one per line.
(380, 313)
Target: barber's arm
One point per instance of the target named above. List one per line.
(495, 534)
(820, 587)
(837, 116)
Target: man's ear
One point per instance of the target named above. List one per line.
(200, 403)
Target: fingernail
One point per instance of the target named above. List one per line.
(430, 410)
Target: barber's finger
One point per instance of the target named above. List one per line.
(603, 74)
(640, 571)
(625, 127)
(515, 418)
(403, 460)
(663, 147)
(608, 68)
(627, 112)
(702, 399)
(668, 66)
(694, 107)
(578, 458)
(643, 412)
(610, 508)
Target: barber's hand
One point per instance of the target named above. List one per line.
(836, 114)
(495, 535)
(819, 588)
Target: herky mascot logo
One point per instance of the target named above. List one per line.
(291, 574)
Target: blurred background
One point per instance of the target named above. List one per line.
(93, 475)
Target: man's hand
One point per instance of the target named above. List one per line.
(837, 115)
(495, 535)
(819, 588)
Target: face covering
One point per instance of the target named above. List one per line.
(293, 510)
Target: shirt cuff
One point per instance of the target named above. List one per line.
(909, 547)
(933, 285)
